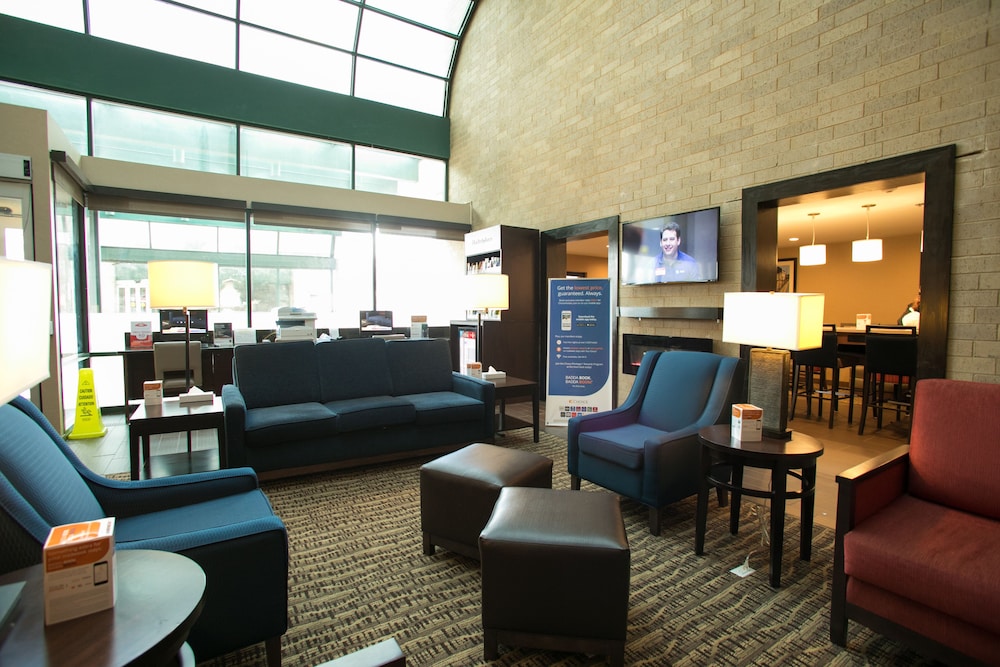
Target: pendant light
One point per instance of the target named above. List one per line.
(868, 250)
(812, 255)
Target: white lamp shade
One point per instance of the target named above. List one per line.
(812, 255)
(486, 291)
(183, 284)
(25, 325)
(785, 320)
(866, 250)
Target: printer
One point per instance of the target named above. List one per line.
(295, 324)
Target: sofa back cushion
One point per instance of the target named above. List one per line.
(353, 368)
(418, 366)
(271, 374)
(955, 445)
(686, 388)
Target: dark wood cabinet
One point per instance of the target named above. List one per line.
(216, 369)
(511, 344)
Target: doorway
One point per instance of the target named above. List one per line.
(760, 235)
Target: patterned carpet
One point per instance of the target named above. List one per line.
(358, 575)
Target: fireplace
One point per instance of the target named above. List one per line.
(636, 345)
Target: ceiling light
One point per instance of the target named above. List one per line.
(812, 255)
(869, 249)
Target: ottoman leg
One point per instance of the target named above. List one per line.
(490, 646)
(428, 547)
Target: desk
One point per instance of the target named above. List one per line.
(512, 387)
(172, 417)
(160, 595)
(778, 456)
(216, 369)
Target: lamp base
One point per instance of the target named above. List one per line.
(768, 388)
(777, 435)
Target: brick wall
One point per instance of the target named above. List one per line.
(573, 110)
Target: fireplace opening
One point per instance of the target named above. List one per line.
(636, 345)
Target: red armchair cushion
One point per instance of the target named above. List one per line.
(955, 445)
(933, 555)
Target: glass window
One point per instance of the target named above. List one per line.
(403, 43)
(163, 139)
(447, 15)
(402, 88)
(324, 21)
(66, 14)
(222, 7)
(286, 157)
(327, 272)
(419, 275)
(166, 28)
(399, 174)
(288, 59)
(69, 111)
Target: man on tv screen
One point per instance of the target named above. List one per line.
(672, 264)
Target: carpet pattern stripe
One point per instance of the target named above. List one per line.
(358, 575)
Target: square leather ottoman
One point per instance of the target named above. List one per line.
(458, 491)
(555, 567)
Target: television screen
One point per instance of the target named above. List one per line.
(172, 321)
(681, 248)
(376, 320)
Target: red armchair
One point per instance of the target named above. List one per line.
(917, 553)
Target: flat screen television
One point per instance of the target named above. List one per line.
(680, 248)
(172, 321)
(376, 320)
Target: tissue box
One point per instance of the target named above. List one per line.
(152, 392)
(78, 561)
(862, 320)
(747, 422)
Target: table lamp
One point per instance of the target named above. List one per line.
(486, 291)
(183, 284)
(25, 325)
(774, 322)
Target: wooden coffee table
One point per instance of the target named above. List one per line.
(160, 595)
(172, 417)
(781, 457)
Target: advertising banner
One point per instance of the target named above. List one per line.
(579, 349)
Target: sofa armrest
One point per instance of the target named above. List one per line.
(132, 498)
(481, 390)
(861, 492)
(234, 412)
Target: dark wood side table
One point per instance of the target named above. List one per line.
(781, 457)
(512, 387)
(172, 417)
(160, 595)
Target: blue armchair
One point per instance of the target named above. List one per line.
(647, 448)
(221, 520)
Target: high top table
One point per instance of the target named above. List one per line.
(781, 457)
(160, 595)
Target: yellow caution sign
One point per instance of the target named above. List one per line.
(88, 422)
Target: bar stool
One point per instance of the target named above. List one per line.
(821, 359)
(890, 350)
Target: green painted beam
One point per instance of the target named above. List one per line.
(49, 57)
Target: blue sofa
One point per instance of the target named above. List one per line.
(302, 407)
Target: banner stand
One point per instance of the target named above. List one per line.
(88, 423)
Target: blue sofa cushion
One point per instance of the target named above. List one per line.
(355, 414)
(41, 473)
(439, 407)
(623, 446)
(670, 405)
(278, 424)
(353, 368)
(419, 366)
(276, 373)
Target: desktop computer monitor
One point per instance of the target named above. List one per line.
(376, 320)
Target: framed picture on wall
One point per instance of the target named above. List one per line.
(786, 275)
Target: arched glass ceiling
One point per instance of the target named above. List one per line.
(399, 52)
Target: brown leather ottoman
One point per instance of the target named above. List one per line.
(458, 490)
(555, 567)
